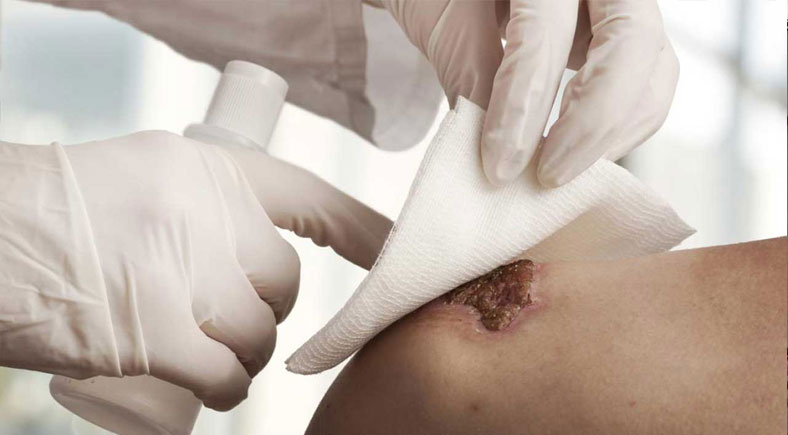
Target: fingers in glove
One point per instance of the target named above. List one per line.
(227, 309)
(465, 49)
(312, 208)
(460, 39)
(274, 269)
(653, 107)
(275, 272)
(539, 38)
(269, 262)
(206, 367)
(627, 40)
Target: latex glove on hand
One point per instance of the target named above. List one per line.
(145, 254)
(151, 254)
(299, 201)
(619, 97)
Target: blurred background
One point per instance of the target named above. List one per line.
(74, 76)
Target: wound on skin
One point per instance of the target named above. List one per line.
(498, 295)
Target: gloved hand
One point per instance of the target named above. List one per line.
(299, 201)
(619, 97)
(146, 254)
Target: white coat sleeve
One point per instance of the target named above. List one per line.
(342, 59)
(53, 304)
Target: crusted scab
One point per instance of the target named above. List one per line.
(498, 295)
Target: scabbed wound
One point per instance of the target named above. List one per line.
(498, 295)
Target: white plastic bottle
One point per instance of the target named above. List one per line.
(243, 112)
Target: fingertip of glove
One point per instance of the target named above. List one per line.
(227, 400)
(502, 169)
(551, 177)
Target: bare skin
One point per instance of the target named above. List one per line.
(684, 342)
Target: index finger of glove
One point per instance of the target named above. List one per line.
(627, 39)
(539, 38)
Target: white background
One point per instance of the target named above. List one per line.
(74, 76)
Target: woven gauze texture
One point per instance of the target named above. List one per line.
(456, 226)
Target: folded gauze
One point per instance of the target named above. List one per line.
(456, 226)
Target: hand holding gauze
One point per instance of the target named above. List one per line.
(627, 73)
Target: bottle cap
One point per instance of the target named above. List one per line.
(247, 101)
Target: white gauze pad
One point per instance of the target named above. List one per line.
(456, 226)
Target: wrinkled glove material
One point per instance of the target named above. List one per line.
(144, 254)
(53, 304)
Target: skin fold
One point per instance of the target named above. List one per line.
(683, 342)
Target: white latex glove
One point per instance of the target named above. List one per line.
(619, 97)
(150, 254)
(299, 201)
(154, 257)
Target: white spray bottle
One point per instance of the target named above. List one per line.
(243, 112)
